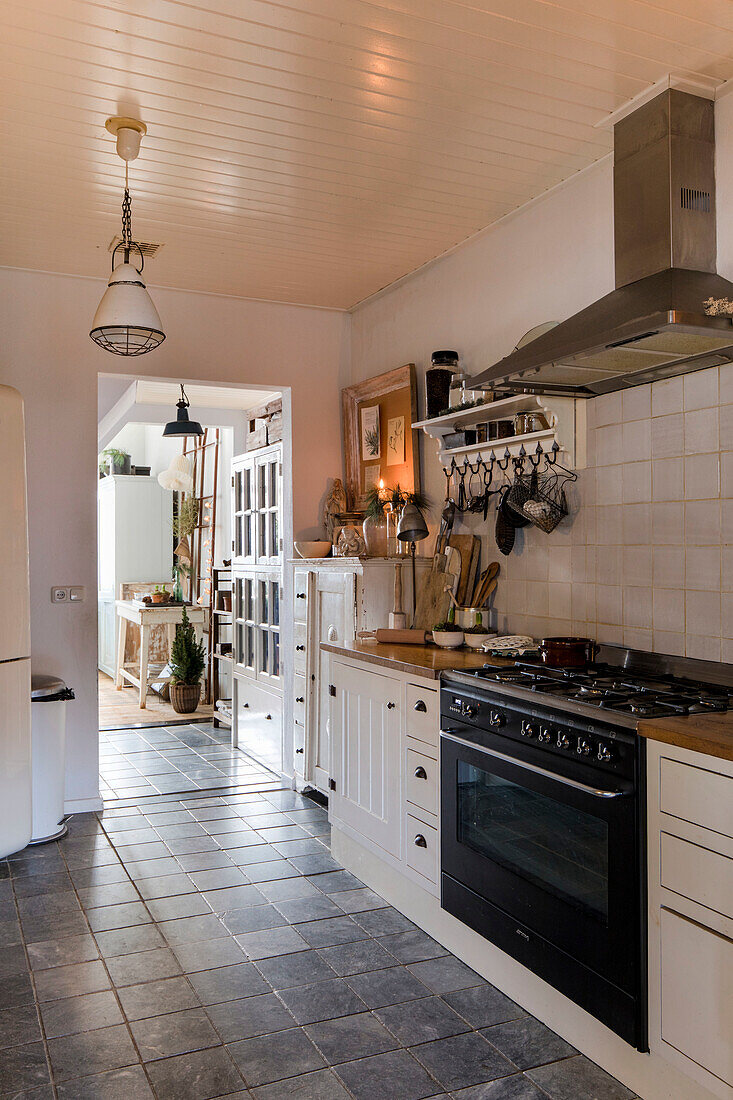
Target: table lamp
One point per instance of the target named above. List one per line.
(412, 528)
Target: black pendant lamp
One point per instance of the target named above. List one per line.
(182, 425)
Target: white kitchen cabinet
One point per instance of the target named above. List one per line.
(257, 507)
(134, 543)
(365, 764)
(690, 812)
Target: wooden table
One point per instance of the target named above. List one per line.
(146, 616)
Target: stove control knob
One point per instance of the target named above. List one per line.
(496, 719)
(604, 752)
(527, 729)
(544, 735)
(563, 741)
(583, 748)
(469, 710)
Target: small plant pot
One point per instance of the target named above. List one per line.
(185, 697)
(476, 641)
(158, 597)
(448, 639)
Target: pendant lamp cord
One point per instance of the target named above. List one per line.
(126, 219)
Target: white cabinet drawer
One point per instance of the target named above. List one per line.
(421, 848)
(697, 795)
(696, 873)
(697, 993)
(300, 596)
(299, 697)
(422, 713)
(300, 642)
(422, 781)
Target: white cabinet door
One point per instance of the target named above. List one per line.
(331, 620)
(366, 755)
(268, 479)
(244, 511)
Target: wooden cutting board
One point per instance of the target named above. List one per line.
(433, 601)
(466, 547)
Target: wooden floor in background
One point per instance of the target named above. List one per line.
(120, 709)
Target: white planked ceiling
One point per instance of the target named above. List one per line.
(316, 150)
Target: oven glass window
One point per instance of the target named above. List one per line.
(550, 844)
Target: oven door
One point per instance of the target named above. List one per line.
(554, 856)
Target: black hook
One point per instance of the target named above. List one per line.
(539, 453)
(504, 465)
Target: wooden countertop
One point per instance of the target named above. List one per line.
(427, 661)
(711, 734)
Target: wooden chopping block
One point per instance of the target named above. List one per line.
(465, 545)
(433, 599)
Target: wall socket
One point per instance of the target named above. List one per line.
(68, 594)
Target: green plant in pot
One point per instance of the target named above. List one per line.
(448, 635)
(187, 663)
(476, 635)
(378, 502)
(114, 461)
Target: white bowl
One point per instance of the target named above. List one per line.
(476, 641)
(313, 549)
(448, 639)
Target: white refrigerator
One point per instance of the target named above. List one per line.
(15, 634)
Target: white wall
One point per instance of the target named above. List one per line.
(46, 353)
(649, 544)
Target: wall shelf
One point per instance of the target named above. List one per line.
(565, 415)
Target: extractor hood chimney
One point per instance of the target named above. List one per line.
(664, 318)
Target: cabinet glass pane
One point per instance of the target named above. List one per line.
(274, 546)
(272, 487)
(248, 609)
(275, 603)
(264, 602)
(264, 665)
(238, 493)
(262, 486)
(275, 654)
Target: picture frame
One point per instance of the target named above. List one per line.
(385, 399)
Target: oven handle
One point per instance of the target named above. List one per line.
(597, 792)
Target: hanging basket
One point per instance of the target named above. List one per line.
(548, 504)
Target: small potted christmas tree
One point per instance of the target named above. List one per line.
(187, 663)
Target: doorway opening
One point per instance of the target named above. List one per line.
(170, 510)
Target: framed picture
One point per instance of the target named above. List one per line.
(379, 440)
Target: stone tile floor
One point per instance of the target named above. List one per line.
(137, 763)
(206, 947)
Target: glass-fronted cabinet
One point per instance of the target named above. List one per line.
(257, 625)
(256, 504)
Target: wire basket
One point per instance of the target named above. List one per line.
(548, 504)
(522, 490)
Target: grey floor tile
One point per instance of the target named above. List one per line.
(516, 1087)
(218, 878)
(126, 941)
(42, 905)
(329, 932)
(155, 998)
(577, 1079)
(205, 861)
(228, 983)
(118, 916)
(199, 1076)
(273, 871)
(383, 922)
(254, 919)
(407, 1079)
(422, 1021)
(286, 971)
(357, 900)
(446, 974)
(143, 966)
(73, 949)
(319, 1085)
(99, 876)
(321, 1001)
(528, 1043)
(337, 881)
(413, 946)
(38, 929)
(252, 853)
(270, 942)
(249, 1016)
(288, 889)
(192, 929)
(282, 832)
(198, 845)
(166, 886)
(315, 863)
(387, 987)
(10, 933)
(152, 868)
(19, 1025)
(209, 954)
(117, 1084)
(274, 1057)
(483, 1005)
(91, 1052)
(70, 981)
(357, 958)
(35, 885)
(185, 905)
(80, 1013)
(463, 1060)
(174, 1033)
(22, 1067)
(233, 897)
(114, 893)
(315, 907)
(350, 1037)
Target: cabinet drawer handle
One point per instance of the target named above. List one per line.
(420, 841)
(245, 705)
(300, 750)
(299, 648)
(420, 773)
(299, 698)
(300, 595)
(391, 706)
(268, 717)
(421, 707)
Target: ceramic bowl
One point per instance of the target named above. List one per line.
(448, 639)
(313, 549)
(476, 641)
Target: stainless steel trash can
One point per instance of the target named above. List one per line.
(49, 696)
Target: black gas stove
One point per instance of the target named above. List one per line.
(542, 814)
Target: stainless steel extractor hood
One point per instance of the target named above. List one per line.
(661, 320)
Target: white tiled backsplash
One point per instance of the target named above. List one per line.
(646, 557)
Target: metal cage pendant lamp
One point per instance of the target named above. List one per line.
(126, 321)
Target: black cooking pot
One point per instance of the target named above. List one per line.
(567, 652)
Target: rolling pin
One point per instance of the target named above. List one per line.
(402, 637)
